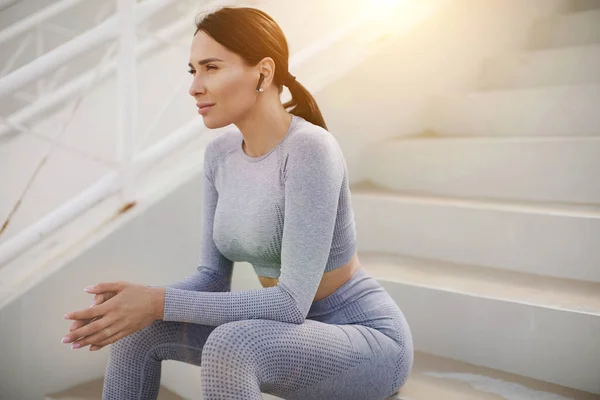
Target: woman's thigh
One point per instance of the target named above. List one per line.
(312, 360)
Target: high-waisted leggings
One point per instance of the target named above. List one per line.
(354, 344)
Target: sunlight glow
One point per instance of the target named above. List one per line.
(386, 9)
(394, 16)
(384, 3)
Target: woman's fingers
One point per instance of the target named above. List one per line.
(88, 330)
(78, 324)
(88, 313)
(106, 342)
(105, 287)
(98, 299)
(103, 297)
(101, 337)
(81, 322)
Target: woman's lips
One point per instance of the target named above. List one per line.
(204, 108)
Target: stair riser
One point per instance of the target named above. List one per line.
(569, 66)
(555, 346)
(582, 5)
(555, 111)
(552, 245)
(553, 171)
(566, 30)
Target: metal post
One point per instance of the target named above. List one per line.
(126, 97)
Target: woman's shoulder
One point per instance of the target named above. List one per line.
(308, 137)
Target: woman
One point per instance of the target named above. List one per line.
(275, 194)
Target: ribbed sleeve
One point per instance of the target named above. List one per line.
(214, 271)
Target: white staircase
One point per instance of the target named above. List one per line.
(485, 228)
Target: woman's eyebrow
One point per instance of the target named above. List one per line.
(206, 61)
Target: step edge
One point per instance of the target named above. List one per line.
(586, 211)
(383, 265)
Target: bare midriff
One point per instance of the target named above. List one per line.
(331, 280)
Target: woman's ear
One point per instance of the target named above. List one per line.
(267, 67)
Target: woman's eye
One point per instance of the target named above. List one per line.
(208, 67)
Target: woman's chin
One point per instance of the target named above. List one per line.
(210, 123)
(214, 123)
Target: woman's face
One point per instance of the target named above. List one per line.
(223, 86)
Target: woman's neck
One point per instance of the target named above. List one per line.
(264, 129)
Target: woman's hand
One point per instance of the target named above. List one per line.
(129, 308)
(98, 299)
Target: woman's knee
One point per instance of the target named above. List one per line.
(235, 341)
(140, 343)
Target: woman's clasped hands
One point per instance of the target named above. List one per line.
(119, 309)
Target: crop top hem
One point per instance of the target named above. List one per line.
(336, 261)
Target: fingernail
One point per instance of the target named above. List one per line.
(75, 346)
(87, 289)
(93, 303)
(66, 339)
(66, 316)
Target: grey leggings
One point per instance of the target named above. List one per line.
(354, 344)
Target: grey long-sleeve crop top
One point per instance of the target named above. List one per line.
(287, 212)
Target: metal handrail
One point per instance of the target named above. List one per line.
(92, 38)
(34, 20)
(73, 87)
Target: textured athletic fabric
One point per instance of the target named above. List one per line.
(288, 213)
(354, 345)
(302, 181)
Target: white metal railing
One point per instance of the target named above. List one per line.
(92, 38)
(74, 87)
(131, 164)
(34, 30)
(34, 20)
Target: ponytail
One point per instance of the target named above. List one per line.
(304, 104)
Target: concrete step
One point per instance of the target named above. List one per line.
(432, 377)
(559, 241)
(92, 390)
(582, 5)
(553, 169)
(537, 327)
(547, 111)
(553, 67)
(562, 30)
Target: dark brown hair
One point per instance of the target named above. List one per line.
(253, 35)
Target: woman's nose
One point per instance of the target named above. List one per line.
(196, 88)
